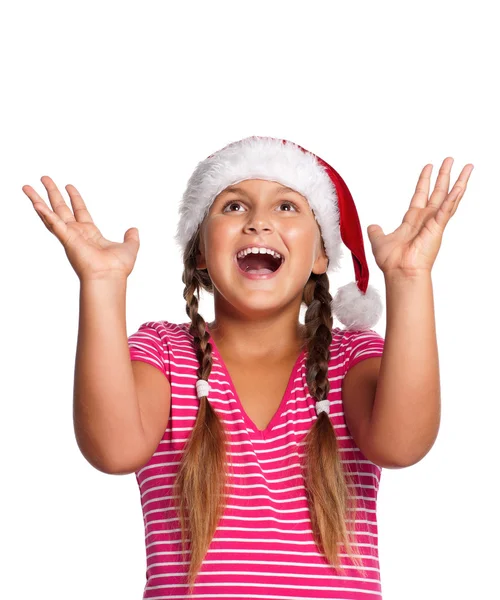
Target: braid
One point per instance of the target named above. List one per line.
(325, 478)
(201, 479)
(318, 322)
(198, 325)
(200, 484)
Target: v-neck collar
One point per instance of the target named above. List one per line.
(281, 408)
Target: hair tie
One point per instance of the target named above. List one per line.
(202, 388)
(323, 406)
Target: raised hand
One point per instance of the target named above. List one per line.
(412, 248)
(91, 255)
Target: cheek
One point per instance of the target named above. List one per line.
(219, 242)
(302, 238)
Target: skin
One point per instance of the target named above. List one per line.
(260, 319)
(393, 404)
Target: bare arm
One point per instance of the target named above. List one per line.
(392, 404)
(121, 407)
(106, 413)
(398, 417)
(407, 407)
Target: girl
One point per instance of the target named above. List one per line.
(256, 438)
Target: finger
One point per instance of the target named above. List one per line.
(37, 201)
(450, 205)
(375, 232)
(57, 202)
(442, 184)
(419, 199)
(52, 221)
(80, 211)
(461, 183)
(40, 213)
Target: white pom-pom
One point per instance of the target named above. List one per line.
(356, 310)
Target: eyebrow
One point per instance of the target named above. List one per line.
(278, 188)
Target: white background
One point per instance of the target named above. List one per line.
(123, 99)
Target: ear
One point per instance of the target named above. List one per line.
(200, 257)
(321, 263)
(200, 260)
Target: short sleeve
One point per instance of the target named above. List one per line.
(150, 344)
(359, 345)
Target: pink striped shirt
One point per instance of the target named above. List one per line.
(263, 546)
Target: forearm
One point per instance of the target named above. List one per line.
(406, 412)
(106, 412)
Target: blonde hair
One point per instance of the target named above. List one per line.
(200, 484)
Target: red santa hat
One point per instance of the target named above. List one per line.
(356, 305)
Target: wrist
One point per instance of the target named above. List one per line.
(103, 284)
(398, 276)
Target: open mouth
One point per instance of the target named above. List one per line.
(259, 264)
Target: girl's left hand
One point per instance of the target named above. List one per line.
(412, 248)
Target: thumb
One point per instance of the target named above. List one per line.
(374, 232)
(131, 237)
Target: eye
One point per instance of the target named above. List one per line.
(289, 203)
(231, 203)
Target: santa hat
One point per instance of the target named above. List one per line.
(356, 305)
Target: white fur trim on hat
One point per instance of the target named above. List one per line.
(272, 160)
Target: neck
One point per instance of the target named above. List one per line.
(273, 336)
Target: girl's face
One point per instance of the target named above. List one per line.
(253, 213)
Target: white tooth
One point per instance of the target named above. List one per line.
(263, 251)
(255, 250)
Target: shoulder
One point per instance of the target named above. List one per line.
(360, 357)
(163, 329)
(164, 344)
(164, 336)
(347, 336)
(349, 347)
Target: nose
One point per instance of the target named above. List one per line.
(257, 222)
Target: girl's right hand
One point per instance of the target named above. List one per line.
(91, 255)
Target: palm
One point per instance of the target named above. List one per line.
(91, 255)
(90, 252)
(414, 245)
